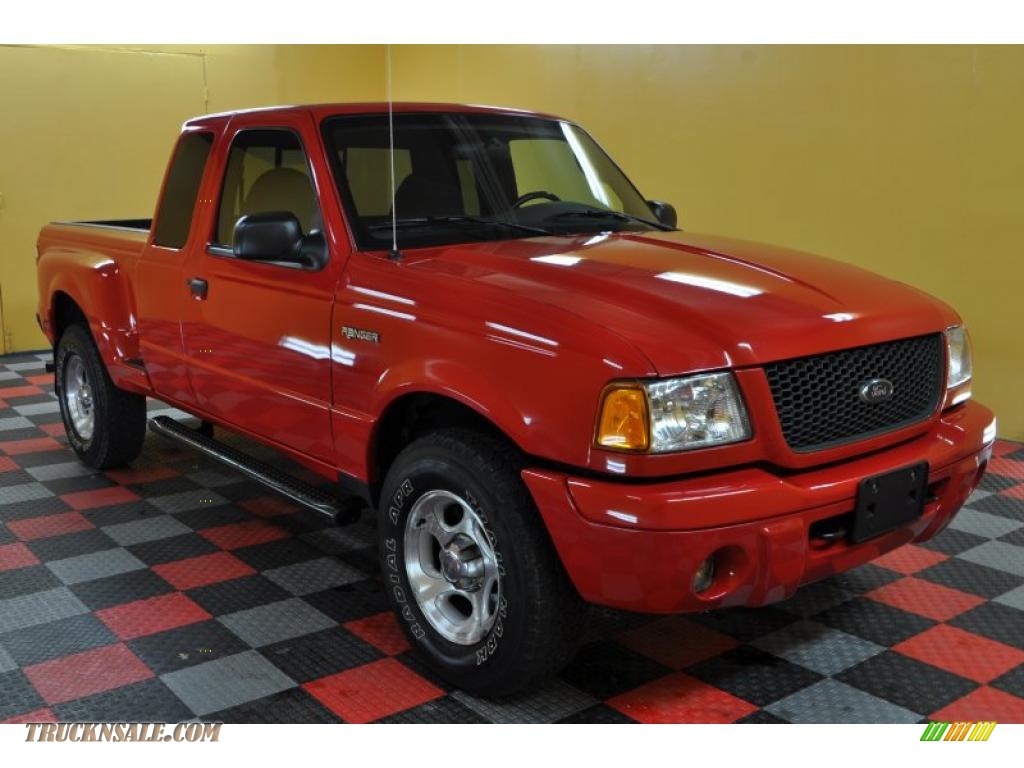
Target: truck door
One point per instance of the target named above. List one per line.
(158, 270)
(257, 334)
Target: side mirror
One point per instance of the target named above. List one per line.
(271, 236)
(665, 213)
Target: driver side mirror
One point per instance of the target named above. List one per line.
(665, 213)
(276, 236)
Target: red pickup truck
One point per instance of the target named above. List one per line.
(470, 319)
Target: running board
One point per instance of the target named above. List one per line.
(340, 511)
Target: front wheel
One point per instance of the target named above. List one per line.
(469, 568)
(105, 425)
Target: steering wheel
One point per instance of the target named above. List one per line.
(540, 194)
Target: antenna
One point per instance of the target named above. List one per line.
(394, 254)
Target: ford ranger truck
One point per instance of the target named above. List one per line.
(550, 394)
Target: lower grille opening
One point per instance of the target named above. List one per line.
(824, 533)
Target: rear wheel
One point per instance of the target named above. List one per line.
(105, 425)
(469, 568)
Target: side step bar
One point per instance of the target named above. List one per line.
(339, 510)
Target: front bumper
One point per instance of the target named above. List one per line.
(637, 546)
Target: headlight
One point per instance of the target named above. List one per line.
(673, 415)
(958, 348)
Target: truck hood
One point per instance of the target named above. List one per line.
(693, 302)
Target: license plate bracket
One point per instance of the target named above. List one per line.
(889, 500)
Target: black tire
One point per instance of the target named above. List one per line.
(119, 417)
(540, 617)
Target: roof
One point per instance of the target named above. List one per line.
(320, 111)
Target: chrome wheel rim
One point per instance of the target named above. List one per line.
(78, 398)
(452, 567)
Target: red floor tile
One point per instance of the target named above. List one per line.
(268, 506)
(983, 704)
(56, 429)
(36, 716)
(381, 631)
(101, 497)
(16, 555)
(909, 559)
(925, 598)
(32, 445)
(33, 528)
(155, 614)
(677, 642)
(245, 534)
(40, 378)
(1003, 447)
(678, 698)
(373, 691)
(7, 464)
(1007, 468)
(83, 674)
(962, 653)
(1015, 492)
(20, 391)
(132, 475)
(203, 570)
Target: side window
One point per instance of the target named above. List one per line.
(267, 170)
(174, 218)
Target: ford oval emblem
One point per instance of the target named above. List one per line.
(876, 391)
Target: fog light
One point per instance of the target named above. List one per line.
(704, 576)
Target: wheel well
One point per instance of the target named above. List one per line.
(414, 415)
(65, 313)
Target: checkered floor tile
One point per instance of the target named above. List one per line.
(176, 589)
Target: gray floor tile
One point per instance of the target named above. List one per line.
(314, 575)
(6, 662)
(148, 529)
(984, 524)
(37, 409)
(815, 646)
(97, 565)
(62, 471)
(13, 494)
(997, 554)
(554, 701)
(15, 422)
(1014, 598)
(830, 701)
(227, 682)
(275, 622)
(39, 608)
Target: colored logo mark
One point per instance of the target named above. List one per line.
(979, 731)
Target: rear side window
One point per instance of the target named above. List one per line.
(174, 218)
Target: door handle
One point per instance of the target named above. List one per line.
(198, 287)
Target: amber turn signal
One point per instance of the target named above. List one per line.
(624, 423)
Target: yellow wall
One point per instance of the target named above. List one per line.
(86, 131)
(906, 160)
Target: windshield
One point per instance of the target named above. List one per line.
(472, 177)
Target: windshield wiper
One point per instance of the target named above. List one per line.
(420, 221)
(602, 213)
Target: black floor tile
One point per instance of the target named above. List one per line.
(320, 654)
(172, 549)
(64, 637)
(605, 669)
(907, 682)
(238, 594)
(874, 621)
(971, 577)
(123, 588)
(186, 646)
(443, 710)
(292, 706)
(995, 621)
(144, 702)
(753, 675)
(71, 545)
